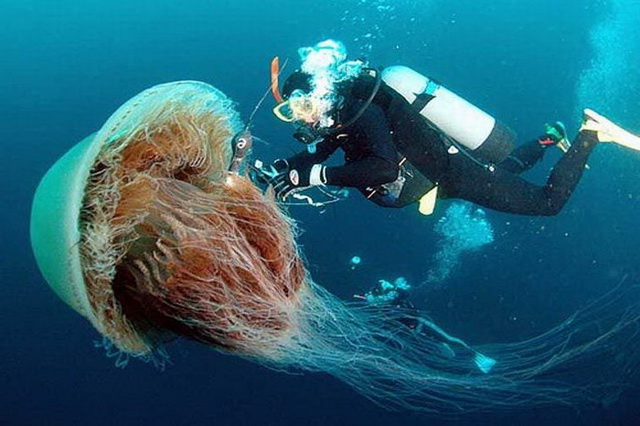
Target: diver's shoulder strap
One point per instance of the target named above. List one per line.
(365, 86)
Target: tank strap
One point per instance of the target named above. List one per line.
(432, 86)
(425, 97)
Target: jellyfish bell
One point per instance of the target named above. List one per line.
(56, 234)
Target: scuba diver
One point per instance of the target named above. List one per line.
(396, 295)
(408, 139)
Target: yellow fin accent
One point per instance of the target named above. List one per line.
(428, 202)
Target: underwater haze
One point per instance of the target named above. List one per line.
(67, 65)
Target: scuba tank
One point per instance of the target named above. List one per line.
(466, 130)
(477, 132)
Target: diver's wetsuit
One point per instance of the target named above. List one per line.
(423, 326)
(369, 151)
(503, 190)
(372, 148)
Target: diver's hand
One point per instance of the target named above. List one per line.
(280, 166)
(266, 174)
(292, 181)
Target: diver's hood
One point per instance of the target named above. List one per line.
(298, 80)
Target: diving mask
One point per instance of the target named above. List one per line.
(283, 112)
(299, 107)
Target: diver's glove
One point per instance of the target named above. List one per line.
(292, 181)
(266, 174)
(280, 166)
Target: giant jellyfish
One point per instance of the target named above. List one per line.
(143, 229)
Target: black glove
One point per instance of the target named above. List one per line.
(280, 165)
(292, 181)
(265, 175)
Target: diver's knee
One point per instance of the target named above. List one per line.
(553, 211)
(552, 207)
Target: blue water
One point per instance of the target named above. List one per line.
(66, 65)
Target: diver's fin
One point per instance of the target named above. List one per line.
(558, 132)
(608, 131)
(484, 363)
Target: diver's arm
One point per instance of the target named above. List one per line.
(305, 160)
(370, 171)
(303, 170)
(380, 164)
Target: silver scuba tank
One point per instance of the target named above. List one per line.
(478, 132)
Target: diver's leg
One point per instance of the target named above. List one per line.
(455, 346)
(503, 191)
(429, 328)
(524, 157)
(568, 170)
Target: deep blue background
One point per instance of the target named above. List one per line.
(65, 66)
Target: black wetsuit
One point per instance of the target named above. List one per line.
(422, 325)
(389, 129)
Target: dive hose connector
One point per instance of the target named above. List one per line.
(242, 143)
